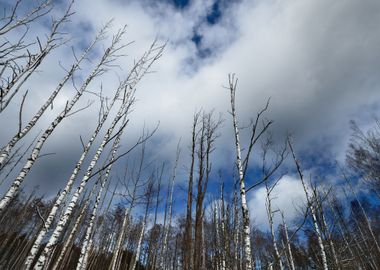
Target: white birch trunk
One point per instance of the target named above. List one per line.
(271, 226)
(244, 206)
(223, 229)
(218, 240)
(291, 260)
(74, 229)
(118, 246)
(124, 227)
(119, 242)
(137, 72)
(86, 245)
(319, 237)
(236, 223)
(312, 210)
(19, 78)
(10, 194)
(67, 189)
(6, 150)
(69, 210)
(132, 265)
(331, 243)
(71, 235)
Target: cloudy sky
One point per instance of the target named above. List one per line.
(318, 61)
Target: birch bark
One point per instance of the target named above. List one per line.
(69, 210)
(312, 210)
(244, 206)
(12, 191)
(291, 260)
(223, 228)
(71, 235)
(22, 74)
(270, 214)
(86, 245)
(6, 149)
(61, 197)
(236, 224)
(128, 86)
(136, 257)
(187, 264)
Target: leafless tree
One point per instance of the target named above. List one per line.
(311, 206)
(242, 164)
(208, 132)
(363, 155)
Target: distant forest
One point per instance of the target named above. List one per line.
(96, 220)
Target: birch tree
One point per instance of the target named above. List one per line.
(287, 242)
(70, 182)
(310, 205)
(242, 165)
(22, 131)
(326, 231)
(363, 155)
(101, 67)
(270, 214)
(208, 132)
(129, 85)
(17, 62)
(133, 198)
(86, 245)
(187, 263)
(148, 195)
(69, 241)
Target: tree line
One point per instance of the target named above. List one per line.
(100, 220)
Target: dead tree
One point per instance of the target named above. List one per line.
(223, 230)
(206, 141)
(148, 194)
(287, 242)
(18, 62)
(133, 197)
(188, 239)
(310, 205)
(87, 242)
(319, 198)
(267, 171)
(235, 232)
(12, 19)
(270, 214)
(366, 219)
(22, 131)
(62, 196)
(101, 67)
(153, 239)
(242, 165)
(71, 237)
(129, 85)
(363, 155)
(169, 211)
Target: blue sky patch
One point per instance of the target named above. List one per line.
(215, 13)
(180, 3)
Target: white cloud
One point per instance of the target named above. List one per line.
(317, 60)
(288, 196)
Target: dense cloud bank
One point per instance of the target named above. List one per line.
(317, 61)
